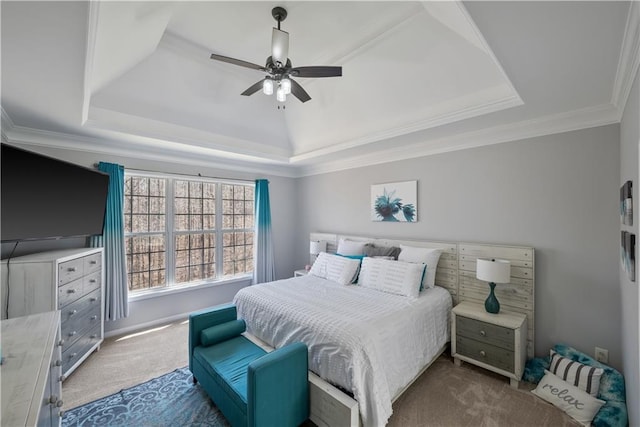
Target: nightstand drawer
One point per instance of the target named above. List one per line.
(486, 353)
(477, 330)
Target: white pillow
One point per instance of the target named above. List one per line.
(335, 268)
(586, 378)
(579, 405)
(350, 247)
(424, 256)
(395, 277)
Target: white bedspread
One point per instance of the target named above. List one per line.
(367, 341)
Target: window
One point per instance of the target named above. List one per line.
(181, 231)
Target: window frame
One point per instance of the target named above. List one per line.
(169, 235)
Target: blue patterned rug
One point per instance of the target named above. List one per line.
(169, 400)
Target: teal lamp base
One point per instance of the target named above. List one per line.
(491, 304)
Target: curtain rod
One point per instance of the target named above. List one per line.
(95, 165)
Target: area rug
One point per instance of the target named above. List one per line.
(169, 400)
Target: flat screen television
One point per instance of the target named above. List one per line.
(45, 198)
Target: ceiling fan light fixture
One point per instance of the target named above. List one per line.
(267, 86)
(286, 85)
(281, 96)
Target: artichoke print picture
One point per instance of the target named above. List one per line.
(394, 202)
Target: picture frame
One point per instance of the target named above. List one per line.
(394, 202)
(626, 203)
(627, 254)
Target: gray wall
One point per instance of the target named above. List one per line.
(144, 312)
(557, 193)
(629, 141)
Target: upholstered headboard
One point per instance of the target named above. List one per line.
(456, 271)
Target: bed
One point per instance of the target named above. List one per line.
(370, 343)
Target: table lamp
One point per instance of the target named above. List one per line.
(493, 271)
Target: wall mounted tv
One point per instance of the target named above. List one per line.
(44, 198)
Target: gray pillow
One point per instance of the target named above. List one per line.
(372, 250)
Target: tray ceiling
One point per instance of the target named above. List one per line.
(416, 75)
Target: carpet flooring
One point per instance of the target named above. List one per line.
(445, 395)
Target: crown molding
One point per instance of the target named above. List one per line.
(554, 124)
(629, 61)
(431, 122)
(142, 129)
(177, 153)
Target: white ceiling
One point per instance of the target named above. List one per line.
(135, 78)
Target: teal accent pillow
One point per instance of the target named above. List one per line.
(353, 256)
(222, 332)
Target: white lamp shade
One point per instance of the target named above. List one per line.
(493, 270)
(317, 246)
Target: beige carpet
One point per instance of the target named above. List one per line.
(445, 395)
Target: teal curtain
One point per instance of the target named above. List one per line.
(264, 266)
(116, 292)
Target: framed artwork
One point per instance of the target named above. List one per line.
(628, 254)
(626, 203)
(395, 202)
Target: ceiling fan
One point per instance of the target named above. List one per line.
(278, 67)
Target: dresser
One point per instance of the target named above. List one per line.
(497, 342)
(68, 280)
(31, 370)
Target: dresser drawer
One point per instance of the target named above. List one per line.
(92, 263)
(486, 353)
(91, 282)
(78, 309)
(477, 330)
(69, 271)
(70, 292)
(76, 351)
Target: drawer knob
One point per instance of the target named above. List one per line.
(483, 353)
(92, 281)
(72, 312)
(72, 333)
(71, 269)
(483, 333)
(71, 291)
(93, 299)
(94, 317)
(94, 336)
(72, 355)
(93, 262)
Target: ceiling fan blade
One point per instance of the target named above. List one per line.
(279, 46)
(253, 89)
(317, 71)
(237, 62)
(299, 92)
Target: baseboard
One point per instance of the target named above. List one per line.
(147, 325)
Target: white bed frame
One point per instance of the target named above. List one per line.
(330, 406)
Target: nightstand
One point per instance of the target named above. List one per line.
(299, 273)
(497, 342)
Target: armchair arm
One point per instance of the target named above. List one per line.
(203, 319)
(278, 387)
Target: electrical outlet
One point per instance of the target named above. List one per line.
(602, 355)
